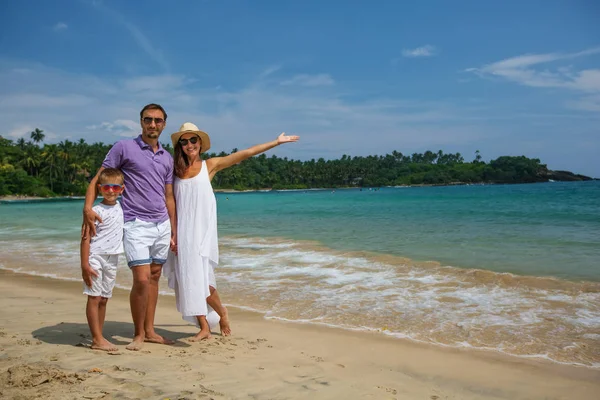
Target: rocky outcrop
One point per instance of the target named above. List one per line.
(565, 176)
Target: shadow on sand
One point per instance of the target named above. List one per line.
(78, 334)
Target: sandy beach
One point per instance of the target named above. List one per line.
(44, 343)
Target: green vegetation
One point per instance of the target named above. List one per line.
(35, 169)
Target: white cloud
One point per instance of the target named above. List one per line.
(269, 71)
(309, 80)
(120, 127)
(20, 131)
(423, 51)
(61, 26)
(587, 103)
(104, 109)
(150, 48)
(74, 106)
(155, 83)
(531, 70)
(35, 100)
(24, 131)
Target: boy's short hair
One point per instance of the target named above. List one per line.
(110, 173)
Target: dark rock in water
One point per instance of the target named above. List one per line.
(565, 176)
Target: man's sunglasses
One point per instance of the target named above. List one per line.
(111, 187)
(192, 140)
(157, 121)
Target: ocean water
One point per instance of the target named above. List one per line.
(509, 268)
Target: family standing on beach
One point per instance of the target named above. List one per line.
(166, 220)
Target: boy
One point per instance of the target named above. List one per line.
(100, 254)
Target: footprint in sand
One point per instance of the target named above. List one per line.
(185, 367)
(128, 371)
(387, 389)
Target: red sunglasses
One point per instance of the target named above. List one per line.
(111, 187)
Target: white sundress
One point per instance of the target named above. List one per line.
(191, 271)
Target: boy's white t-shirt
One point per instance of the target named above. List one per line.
(109, 233)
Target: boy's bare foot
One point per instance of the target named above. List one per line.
(136, 344)
(224, 323)
(104, 345)
(202, 335)
(156, 338)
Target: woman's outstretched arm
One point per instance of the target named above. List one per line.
(217, 164)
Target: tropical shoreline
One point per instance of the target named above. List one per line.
(19, 197)
(263, 359)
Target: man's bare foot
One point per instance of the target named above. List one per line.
(104, 345)
(156, 338)
(202, 335)
(136, 344)
(224, 323)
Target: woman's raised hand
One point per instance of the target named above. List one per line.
(283, 138)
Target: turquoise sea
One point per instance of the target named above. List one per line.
(509, 268)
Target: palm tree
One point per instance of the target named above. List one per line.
(37, 136)
(51, 157)
(31, 160)
(21, 143)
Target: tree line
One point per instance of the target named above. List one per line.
(32, 168)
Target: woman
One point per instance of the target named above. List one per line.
(190, 268)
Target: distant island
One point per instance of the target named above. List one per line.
(30, 168)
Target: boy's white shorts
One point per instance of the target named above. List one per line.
(106, 267)
(146, 242)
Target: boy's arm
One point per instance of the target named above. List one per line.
(86, 270)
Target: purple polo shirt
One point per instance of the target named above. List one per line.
(146, 174)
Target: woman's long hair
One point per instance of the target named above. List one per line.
(181, 161)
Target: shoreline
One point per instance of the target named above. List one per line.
(381, 332)
(264, 358)
(24, 198)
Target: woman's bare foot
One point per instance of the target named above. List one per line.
(224, 323)
(156, 338)
(136, 344)
(103, 345)
(202, 335)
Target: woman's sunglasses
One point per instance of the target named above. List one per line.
(111, 187)
(192, 140)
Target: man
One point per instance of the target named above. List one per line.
(149, 213)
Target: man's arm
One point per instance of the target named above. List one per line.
(88, 228)
(172, 211)
(86, 270)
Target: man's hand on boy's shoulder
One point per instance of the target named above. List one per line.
(88, 228)
(87, 273)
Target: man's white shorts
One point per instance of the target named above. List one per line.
(106, 267)
(146, 242)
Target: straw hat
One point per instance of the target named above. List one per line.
(188, 127)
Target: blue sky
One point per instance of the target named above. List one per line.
(350, 77)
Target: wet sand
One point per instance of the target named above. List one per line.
(44, 343)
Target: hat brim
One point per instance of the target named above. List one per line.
(202, 135)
